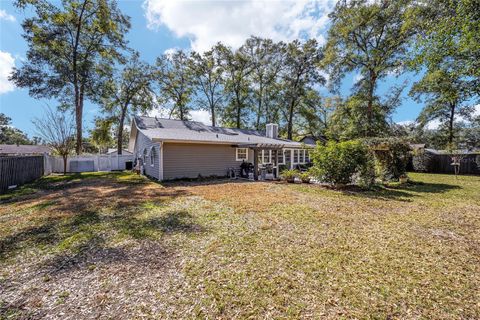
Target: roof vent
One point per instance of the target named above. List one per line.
(272, 130)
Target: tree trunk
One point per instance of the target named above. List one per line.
(120, 131)
(65, 164)
(78, 118)
(212, 110)
(373, 79)
(290, 121)
(450, 124)
(237, 100)
(259, 108)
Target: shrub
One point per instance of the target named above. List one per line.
(289, 175)
(337, 162)
(391, 157)
(422, 162)
(305, 176)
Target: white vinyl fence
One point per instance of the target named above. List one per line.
(87, 163)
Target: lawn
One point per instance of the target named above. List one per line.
(116, 245)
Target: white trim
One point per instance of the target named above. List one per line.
(231, 143)
(160, 162)
(282, 152)
(236, 154)
(152, 154)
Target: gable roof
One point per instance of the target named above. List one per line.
(192, 131)
(115, 150)
(14, 149)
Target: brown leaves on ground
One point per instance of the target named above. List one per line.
(119, 246)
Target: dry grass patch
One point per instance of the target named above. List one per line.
(116, 245)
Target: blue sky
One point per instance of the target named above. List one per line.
(160, 25)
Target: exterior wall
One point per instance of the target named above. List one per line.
(188, 160)
(143, 143)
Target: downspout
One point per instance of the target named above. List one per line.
(160, 162)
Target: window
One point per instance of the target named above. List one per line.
(288, 155)
(242, 154)
(301, 158)
(281, 156)
(145, 153)
(152, 156)
(295, 156)
(307, 156)
(267, 156)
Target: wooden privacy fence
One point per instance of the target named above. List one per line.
(468, 164)
(19, 170)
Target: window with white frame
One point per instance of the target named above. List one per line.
(152, 156)
(287, 155)
(281, 156)
(267, 156)
(242, 154)
(301, 158)
(295, 156)
(307, 156)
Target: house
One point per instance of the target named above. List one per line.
(173, 149)
(114, 151)
(23, 150)
(312, 140)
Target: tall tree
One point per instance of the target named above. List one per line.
(372, 39)
(129, 90)
(208, 79)
(101, 135)
(299, 74)
(66, 45)
(449, 33)
(237, 67)
(57, 130)
(175, 77)
(446, 98)
(266, 59)
(10, 134)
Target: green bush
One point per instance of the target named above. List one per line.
(338, 163)
(289, 174)
(391, 157)
(422, 162)
(305, 176)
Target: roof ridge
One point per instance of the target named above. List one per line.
(193, 121)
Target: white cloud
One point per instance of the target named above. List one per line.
(5, 16)
(202, 116)
(476, 112)
(433, 124)
(170, 51)
(406, 122)
(7, 62)
(357, 77)
(207, 22)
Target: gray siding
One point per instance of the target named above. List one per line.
(142, 143)
(185, 160)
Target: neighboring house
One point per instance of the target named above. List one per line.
(114, 151)
(312, 140)
(23, 150)
(173, 149)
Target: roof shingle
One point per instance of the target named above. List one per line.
(178, 130)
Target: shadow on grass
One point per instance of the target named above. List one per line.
(59, 181)
(401, 192)
(76, 216)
